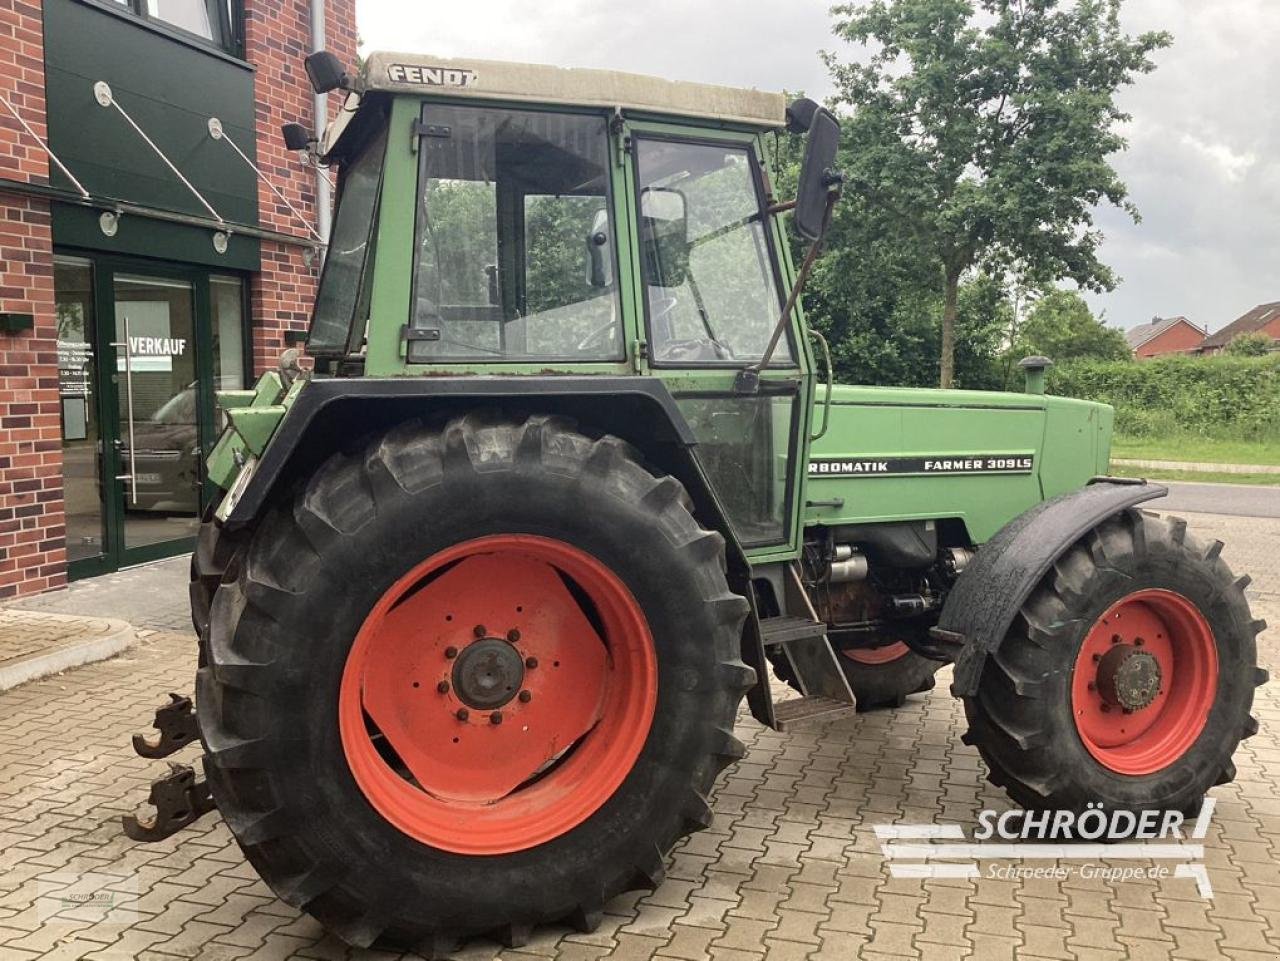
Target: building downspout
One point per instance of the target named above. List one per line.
(323, 198)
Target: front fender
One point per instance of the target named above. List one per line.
(981, 607)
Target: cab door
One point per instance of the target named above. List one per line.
(713, 277)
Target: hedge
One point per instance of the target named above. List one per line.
(1236, 397)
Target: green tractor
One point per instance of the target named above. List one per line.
(486, 589)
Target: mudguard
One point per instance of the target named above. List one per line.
(981, 607)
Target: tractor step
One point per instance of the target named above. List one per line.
(179, 799)
(803, 642)
(176, 722)
(787, 714)
(777, 631)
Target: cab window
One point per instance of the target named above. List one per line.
(711, 291)
(514, 252)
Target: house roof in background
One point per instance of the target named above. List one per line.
(1137, 336)
(1251, 322)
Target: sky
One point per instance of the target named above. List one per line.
(1203, 165)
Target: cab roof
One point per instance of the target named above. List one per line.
(573, 86)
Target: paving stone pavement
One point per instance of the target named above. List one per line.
(791, 868)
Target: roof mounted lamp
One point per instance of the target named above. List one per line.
(1034, 368)
(816, 197)
(297, 137)
(326, 72)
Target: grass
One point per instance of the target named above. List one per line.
(1197, 449)
(1195, 476)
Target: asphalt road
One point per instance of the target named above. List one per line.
(1233, 500)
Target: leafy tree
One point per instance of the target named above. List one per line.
(983, 132)
(1256, 344)
(1061, 327)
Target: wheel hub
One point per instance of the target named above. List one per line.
(1128, 677)
(488, 673)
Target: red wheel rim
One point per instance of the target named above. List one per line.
(529, 628)
(1144, 682)
(878, 655)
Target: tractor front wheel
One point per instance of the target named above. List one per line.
(477, 679)
(1127, 678)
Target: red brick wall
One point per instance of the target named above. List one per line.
(277, 38)
(1179, 339)
(32, 526)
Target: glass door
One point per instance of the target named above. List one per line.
(83, 466)
(141, 349)
(157, 408)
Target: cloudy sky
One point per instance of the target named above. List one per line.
(1204, 158)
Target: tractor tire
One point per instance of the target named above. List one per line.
(882, 677)
(364, 738)
(209, 562)
(886, 676)
(1127, 678)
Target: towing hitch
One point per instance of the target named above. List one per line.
(179, 799)
(176, 722)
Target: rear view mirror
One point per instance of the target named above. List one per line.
(599, 251)
(326, 72)
(816, 174)
(664, 237)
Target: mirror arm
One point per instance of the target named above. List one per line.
(747, 380)
(781, 208)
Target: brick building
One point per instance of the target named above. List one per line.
(145, 267)
(1164, 335)
(1263, 319)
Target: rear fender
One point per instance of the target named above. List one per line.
(986, 598)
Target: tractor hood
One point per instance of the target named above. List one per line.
(976, 456)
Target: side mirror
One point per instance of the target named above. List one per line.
(296, 136)
(664, 237)
(326, 72)
(599, 251)
(816, 174)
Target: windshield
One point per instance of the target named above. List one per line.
(710, 287)
(345, 285)
(515, 248)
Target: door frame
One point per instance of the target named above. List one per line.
(103, 271)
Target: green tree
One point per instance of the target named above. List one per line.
(1060, 326)
(984, 132)
(1256, 344)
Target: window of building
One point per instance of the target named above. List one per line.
(217, 21)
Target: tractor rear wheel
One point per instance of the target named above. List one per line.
(886, 676)
(477, 679)
(209, 562)
(1127, 678)
(880, 677)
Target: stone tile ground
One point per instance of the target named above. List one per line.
(791, 868)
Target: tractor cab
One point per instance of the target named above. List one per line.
(498, 219)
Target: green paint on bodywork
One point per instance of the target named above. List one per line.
(252, 419)
(1061, 442)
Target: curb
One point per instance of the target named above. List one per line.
(1198, 467)
(117, 637)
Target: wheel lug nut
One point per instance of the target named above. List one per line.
(479, 630)
(495, 717)
(1116, 638)
(1138, 641)
(530, 662)
(451, 652)
(1097, 658)
(462, 714)
(1092, 686)
(513, 635)
(525, 697)
(443, 687)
